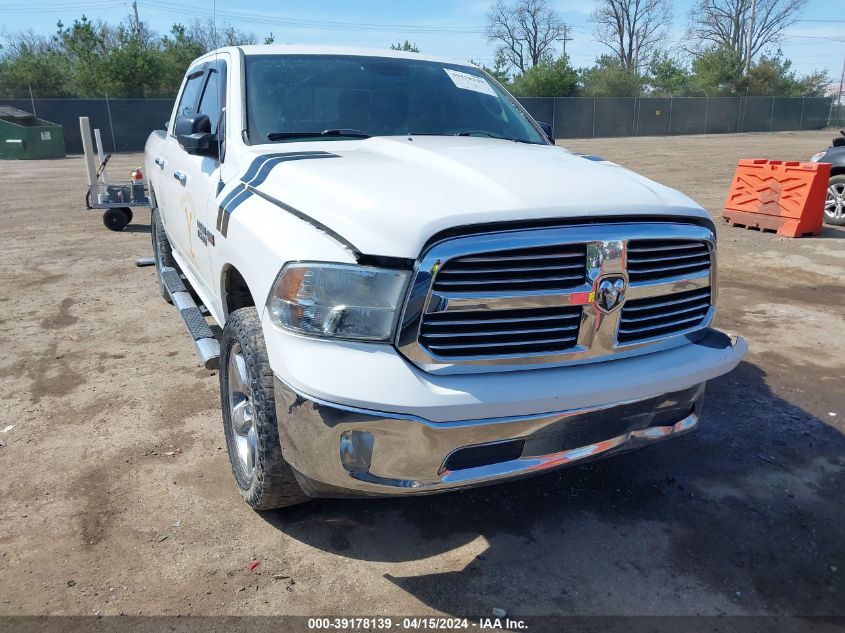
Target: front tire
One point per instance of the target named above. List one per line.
(264, 479)
(834, 205)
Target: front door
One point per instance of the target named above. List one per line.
(193, 179)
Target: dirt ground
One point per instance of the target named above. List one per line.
(116, 494)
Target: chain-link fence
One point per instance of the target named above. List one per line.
(579, 117)
(125, 124)
(837, 113)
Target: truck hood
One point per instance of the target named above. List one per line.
(389, 195)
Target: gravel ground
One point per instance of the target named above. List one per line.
(117, 495)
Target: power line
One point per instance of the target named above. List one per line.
(830, 38)
(88, 6)
(269, 18)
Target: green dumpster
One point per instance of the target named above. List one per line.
(22, 135)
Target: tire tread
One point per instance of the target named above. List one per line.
(274, 484)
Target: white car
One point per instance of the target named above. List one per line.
(417, 290)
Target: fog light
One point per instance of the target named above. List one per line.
(356, 451)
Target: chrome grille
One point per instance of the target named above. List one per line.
(664, 315)
(477, 334)
(523, 269)
(660, 259)
(531, 295)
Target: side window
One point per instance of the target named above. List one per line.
(210, 102)
(188, 100)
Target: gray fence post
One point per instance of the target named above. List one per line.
(554, 113)
(111, 126)
(706, 109)
(594, 117)
(772, 114)
(634, 118)
(32, 101)
(671, 101)
(801, 118)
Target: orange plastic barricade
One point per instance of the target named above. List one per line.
(787, 197)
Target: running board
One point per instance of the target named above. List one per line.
(207, 346)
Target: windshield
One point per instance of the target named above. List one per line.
(291, 96)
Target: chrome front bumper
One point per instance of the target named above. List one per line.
(343, 451)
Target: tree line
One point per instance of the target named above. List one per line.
(730, 49)
(90, 58)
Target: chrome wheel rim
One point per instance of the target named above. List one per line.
(834, 206)
(242, 413)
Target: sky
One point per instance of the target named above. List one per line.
(452, 28)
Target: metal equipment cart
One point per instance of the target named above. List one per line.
(116, 198)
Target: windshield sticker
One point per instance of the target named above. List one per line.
(465, 81)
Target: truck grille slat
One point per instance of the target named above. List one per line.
(647, 259)
(643, 271)
(633, 308)
(647, 246)
(500, 332)
(661, 324)
(539, 268)
(646, 318)
(497, 321)
(506, 258)
(472, 333)
(671, 258)
(480, 349)
(479, 324)
(469, 343)
(521, 269)
(474, 285)
(664, 315)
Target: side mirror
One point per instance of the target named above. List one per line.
(193, 131)
(547, 130)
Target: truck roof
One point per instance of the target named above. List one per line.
(298, 49)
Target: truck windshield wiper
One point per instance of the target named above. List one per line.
(489, 135)
(339, 132)
(481, 133)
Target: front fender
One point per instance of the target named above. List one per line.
(261, 238)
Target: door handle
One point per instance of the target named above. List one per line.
(159, 161)
(181, 177)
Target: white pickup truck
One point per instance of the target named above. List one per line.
(418, 291)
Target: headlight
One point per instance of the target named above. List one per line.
(337, 300)
(817, 157)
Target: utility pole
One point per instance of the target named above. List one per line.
(637, 65)
(839, 100)
(565, 38)
(750, 37)
(137, 19)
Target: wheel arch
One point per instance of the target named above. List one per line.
(235, 291)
